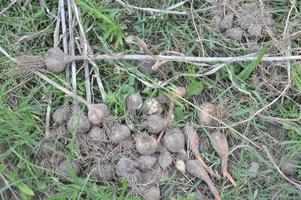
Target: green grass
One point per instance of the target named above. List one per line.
(23, 102)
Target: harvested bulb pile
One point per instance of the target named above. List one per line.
(144, 156)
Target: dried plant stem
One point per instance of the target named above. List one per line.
(64, 33)
(59, 87)
(192, 58)
(47, 119)
(85, 52)
(152, 10)
(72, 46)
(7, 7)
(87, 46)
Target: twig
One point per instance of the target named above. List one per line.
(278, 169)
(193, 59)
(95, 67)
(85, 51)
(7, 7)
(72, 46)
(59, 87)
(172, 7)
(64, 33)
(7, 55)
(151, 10)
(56, 32)
(47, 120)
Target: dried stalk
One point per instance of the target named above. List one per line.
(87, 46)
(85, 52)
(72, 46)
(152, 10)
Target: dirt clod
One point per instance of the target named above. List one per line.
(62, 114)
(145, 67)
(254, 167)
(235, 34)
(174, 141)
(68, 167)
(103, 172)
(227, 22)
(56, 60)
(289, 167)
(208, 110)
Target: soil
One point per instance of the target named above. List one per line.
(242, 22)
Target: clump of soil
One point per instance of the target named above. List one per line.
(242, 20)
(103, 172)
(68, 167)
(207, 112)
(152, 193)
(62, 114)
(289, 166)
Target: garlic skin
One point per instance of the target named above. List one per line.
(180, 165)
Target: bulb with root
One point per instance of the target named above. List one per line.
(152, 106)
(103, 172)
(119, 133)
(145, 144)
(62, 114)
(174, 141)
(97, 113)
(220, 144)
(194, 168)
(153, 123)
(134, 102)
(78, 122)
(193, 142)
